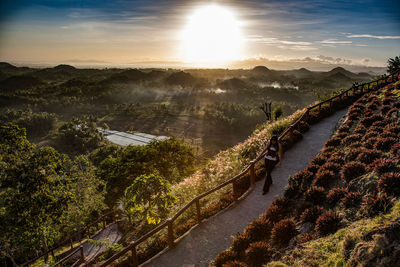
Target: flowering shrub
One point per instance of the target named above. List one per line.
(368, 156)
(311, 214)
(351, 199)
(375, 204)
(344, 129)
(315, 194)
(259, 229)
(353, 154)
(392, 128)
(283, 232)
(382, 166)
(275, 213)
(379, 124)
(395, 151)
(385, 144)
(391, 112)
(312, 168)
(370, 143)
(240, 243)
(319, 160)
(337, 159)
(360, 129)
(291, 190)
(352, 170)
(387, 134)
(331, 166)
(327, 223)
(258, 253)
(389, 183)
(324, 177)
(335, 195)
(351, 139)
(234, 264)
(223, 257)
(367, 121)
(385, 108)
(305, 238)
(369, 134)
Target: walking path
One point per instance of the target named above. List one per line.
(203, 243)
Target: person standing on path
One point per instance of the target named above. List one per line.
(272, 154)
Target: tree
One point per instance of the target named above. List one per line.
(277, 112)
(393, 65)
(35, 191)
(147, 198)
(170, 159)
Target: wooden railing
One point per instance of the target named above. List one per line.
(169, 223)
(77, 236)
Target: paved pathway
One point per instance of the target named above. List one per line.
(204, 243)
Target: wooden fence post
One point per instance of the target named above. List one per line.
(82, 254)
(133, 258)
(170, 233)
(252, 175)
(198, 211)
(234, 193)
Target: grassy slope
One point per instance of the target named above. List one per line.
(361, 238)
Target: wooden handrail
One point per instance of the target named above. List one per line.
(67, 239)
(132, 246)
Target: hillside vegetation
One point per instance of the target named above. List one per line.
(343, 209)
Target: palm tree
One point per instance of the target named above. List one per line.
(393, 65)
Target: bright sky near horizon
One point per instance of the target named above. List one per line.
(165, 31)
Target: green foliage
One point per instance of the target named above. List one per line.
(393, 65)
(147, 198)
(170, 159)
(79, 136)
(36, 124)
(277, 112)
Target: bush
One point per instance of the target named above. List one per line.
(324, 178)
(275, 213)
(224, 257)
(368, 156)
(303, 177)
(392, 129)
(369, 134)
(351, 139)
(353, 154)
(385, 144)
(352, 170)
(331, 166)
(234, 264)
(315, 194)
(379, 124)
(305, 238)
(335, 195)
(385, 109)
(327, 223)
(343, 129)
(370, 143)
(334, 141)
(311, 214)
(283, 232)
(259, 253)
(312, 168)
(360, 129)
(389, 183)
(395, 151)
(259, 229)
(391, 113)
(367, 121)
(296, 135)
(240, 243)
(382, 166)
(375, 204)
(319, 160)
(351, 200)
(337, 158)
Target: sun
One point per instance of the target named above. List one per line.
(211, 35)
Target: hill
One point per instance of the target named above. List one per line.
(15, 83)
(180, 78)
(344, 208)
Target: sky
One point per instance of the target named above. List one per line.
(149, 33)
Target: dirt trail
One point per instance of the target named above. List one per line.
(204, 242)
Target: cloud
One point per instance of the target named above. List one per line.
(335, 41)
(382, 37)
(282, 44)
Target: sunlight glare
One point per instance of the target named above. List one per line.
(212, 34)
